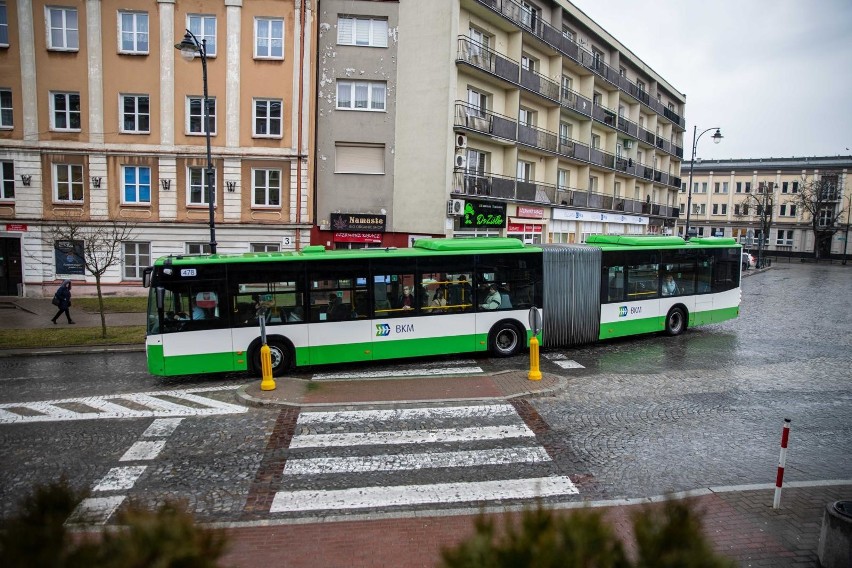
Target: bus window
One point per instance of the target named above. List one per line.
(680, 263)
(725, 274)
(614, 279)
(395, 295)
(643, 278)
(704, 274)
(516, 280)
(338, 293)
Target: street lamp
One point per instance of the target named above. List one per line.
(189, 48)
(717, 137)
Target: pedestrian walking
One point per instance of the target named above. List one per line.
(62, 300)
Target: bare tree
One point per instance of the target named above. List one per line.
(94, 245)
(762, 203)
(820, 199)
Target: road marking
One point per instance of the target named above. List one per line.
(380, 497)
(411, 436)
(162, 427)
(403, 462)
(422, 372)
(403, 414)
(143, 451)
(562, 360)
(139, 405)
(120, 478)
(95, 510)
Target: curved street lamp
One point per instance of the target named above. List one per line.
(717, 137)
(189, 48)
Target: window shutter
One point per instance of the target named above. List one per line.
(359, 159)
(344, 31)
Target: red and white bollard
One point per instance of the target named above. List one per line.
(785, 435)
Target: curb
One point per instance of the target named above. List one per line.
(72, 350)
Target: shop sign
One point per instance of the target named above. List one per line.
(530, 212)
(358, 222)
(20, 227)
(373, 238)
(524, 228)
(69, 257)
(479, 214)
(594, 216)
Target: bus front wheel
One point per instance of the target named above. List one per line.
(675, 322)
(505, 340)
(280, 355)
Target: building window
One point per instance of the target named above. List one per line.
(65, 111)
(477, 102)
(268, 38)
(266, 188)
(197, 248)
(195, 115)
(133, 33)
(68, 183)
(528, 63)
(370, 32)
(739, 187)
(784, 187)
(715, 209)
(683, 187)
(359, 158)
(7, 180)
(62, 29)
(525, 170)
(204, 28)
(563, 179)
(6, 108)
(135, 114)
(529, 15)
(568, 33)
(137, 257)
(785, 237)
(268, 116)
(197, 190)
(748, 187)
(264, 247)
(703, 184)
(724, 209)
(361, 95)
(795, 187)
(717, 231)
(717, 187)
(136, 185)
(4, 26)
(526, 117)
(725, 187)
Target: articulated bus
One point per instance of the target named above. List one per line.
(439, 297)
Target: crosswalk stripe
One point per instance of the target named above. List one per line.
(372, 416)
(411, 436)
(402, 462)
(143, 450)
(95, 510)
(120, 478)
(380, 497)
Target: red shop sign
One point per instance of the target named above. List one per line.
(530, 212)
(373, 238)
(16, 227)
(524, 228)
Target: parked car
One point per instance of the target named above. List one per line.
(748, 261)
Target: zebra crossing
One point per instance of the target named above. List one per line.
(160, 404)
(381, 460)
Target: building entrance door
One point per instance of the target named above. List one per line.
(11, 273)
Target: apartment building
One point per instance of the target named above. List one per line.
(487, 117)
(723, 203)
(103, 121)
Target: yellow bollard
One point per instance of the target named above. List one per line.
(535, 374)
(267, 383)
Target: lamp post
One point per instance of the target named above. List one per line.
(189, 48)
(717, 137)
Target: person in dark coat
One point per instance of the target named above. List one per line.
(63, 296)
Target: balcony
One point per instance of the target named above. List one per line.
(485, 122)
(537, 138)
(604, 115)
(539, 84)
(575, 101)
(487, 60)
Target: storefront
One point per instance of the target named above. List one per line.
(480, 219)
(573, 226)
(527, 225)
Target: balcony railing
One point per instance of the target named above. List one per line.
(540, 84)
(576, 101)
(481, 57)
(538, 138)
(485, 122)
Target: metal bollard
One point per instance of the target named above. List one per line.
(779, 479)
(534, 374)
(266, 383)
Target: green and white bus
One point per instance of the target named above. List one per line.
(441, 296)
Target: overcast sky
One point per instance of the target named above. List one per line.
(775, 75)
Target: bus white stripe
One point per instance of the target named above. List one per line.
(378, 497)
(371, 416)
(411, 437)
(401, 462)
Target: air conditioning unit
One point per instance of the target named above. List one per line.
(628, 144)
(461, 141)
(455, 207)
(461, 161)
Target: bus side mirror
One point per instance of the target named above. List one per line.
(161, 294)
(146, 276)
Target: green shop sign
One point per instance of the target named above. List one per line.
(479, 214)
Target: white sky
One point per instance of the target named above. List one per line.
(775, 75)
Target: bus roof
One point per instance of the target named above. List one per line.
(657, 241)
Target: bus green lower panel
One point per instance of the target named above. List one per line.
(325, 354)
(424, 347)
(156, 361)
(655, 324)
(194, 364)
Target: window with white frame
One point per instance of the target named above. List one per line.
(825, 217)
(715, 209)
(795, 187)
(353, 158)
(596, 141)
(724, 209)
(362, 31)
(135, 114)
(724, 187)
(565, 129)
(65, 111)
(268, 38)
(563, 178)
(6, 116)
(477, 102)
(7, 180)
(361, 95)
(264, 247)
(62, 29)
(784, 211)
(4, 26)
(68, 183)
(268, 117)
(526, 117)
(529, 63)
(703, 184)
(136, 257)
(203, 27)
(477, 161)
(568, 33)
(567, 86)
(135, 185)
(529, 15)
(197, 248)
(195, 115)
(683, 187)
(479, 40)
(133, 33)
(717, 231)
(525, 170)
(197, 191)
(266, 187)
(785, 237)
(717, 187)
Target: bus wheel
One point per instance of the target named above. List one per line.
(280, 355)
(675, 321)
(504, 340)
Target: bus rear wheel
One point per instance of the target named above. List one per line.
(504, 340)
(675, 321)
(280, 355)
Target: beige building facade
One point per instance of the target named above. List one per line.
(103, 121)
(721, 202)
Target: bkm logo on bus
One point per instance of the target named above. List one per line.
(382, 330)
(622, 311)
